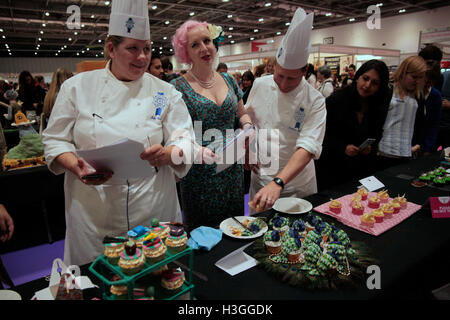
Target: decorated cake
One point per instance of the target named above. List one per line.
(113, 248)
(363, 193)
(279, 223)
(378, 215)
(131, 259)
(325, 258)
(374, 202)
(177, 239)
(138, 234)
(161, 230)
(154, 249)
(357, 208)
(172, 280)
(383, 196)
(368, 220)
(335, 206)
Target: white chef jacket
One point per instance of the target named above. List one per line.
(94, 109)
(299, 119)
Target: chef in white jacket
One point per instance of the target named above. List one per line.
(100, 107)
(293, 114)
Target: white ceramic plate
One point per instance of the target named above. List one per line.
(9, 295)
(292, 205)
(226, 225)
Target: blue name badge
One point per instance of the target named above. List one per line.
(160, 103)
(299, 118)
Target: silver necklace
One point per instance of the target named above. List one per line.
(205, 84)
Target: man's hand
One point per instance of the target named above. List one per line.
(266, 197)
(6, 225)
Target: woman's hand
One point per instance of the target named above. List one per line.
(6, 225)
(351, 150)
(80, 168)
(157, 155)
(266, 197)
(366, 151)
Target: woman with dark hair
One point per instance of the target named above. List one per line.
(355, 113)
(311, 75)
(27, 92)
(247, 83)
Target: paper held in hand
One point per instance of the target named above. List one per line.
(121, 157)
(233, 150)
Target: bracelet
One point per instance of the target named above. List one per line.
(249, 122)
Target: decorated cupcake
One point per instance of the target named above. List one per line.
(300, 227)
(131, 259)
(395, 205)
(113, 248)
(161, 230)
(272, 241)
(356, 197)
(120, 292)
(177, 239)
(138, 234)
(402, 201)
(311, 221)
(378, 215)
(363, 193)
(374, 202)
(154, 249)
(368, 220)
(291, 249)
(357, 208)
(279, 223)
(335, 206)
(323, 228)
(172, 280)
(383, 196)
(388, 210)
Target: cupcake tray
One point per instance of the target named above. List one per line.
(104, 270)
(352, 220)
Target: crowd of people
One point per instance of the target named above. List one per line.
(318, 128)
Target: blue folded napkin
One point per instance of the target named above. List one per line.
(204, 238)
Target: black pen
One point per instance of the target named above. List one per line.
(149, 145)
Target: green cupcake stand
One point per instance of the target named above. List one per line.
(103, 270)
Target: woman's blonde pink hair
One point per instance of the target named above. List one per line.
(180, 39)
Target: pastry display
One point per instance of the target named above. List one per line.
(131, 259)
(335, 206)
(153, 248)
(177, 239)
(161, 230)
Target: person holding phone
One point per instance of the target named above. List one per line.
(100, 107)
(355, 114)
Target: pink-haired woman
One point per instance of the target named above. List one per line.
(215, 99)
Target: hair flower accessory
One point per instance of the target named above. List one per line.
(217, 34)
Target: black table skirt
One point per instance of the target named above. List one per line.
(413, 256)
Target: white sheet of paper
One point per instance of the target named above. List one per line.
(237, 261)
(371, 183)
(121, 157)
(233, 151)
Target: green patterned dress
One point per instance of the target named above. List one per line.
(208, 198)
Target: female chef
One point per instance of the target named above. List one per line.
(100, 107)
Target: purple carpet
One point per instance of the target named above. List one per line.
(36, 262)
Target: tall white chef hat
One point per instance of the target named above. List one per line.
(129, 18)
(294, 49)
